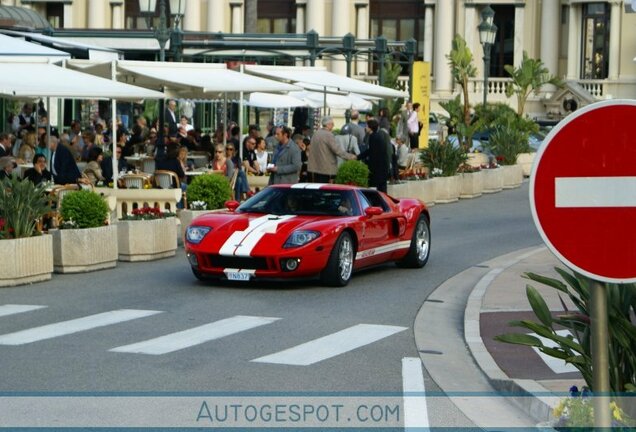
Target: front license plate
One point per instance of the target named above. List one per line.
(238, 276)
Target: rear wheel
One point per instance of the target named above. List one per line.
(420, 248)
(340, 264)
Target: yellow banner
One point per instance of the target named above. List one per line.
(421, 93)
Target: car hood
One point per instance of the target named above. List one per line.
(248, 234)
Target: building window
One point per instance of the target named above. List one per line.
(275, 16)
(135, 21)
(503, 51)
(595, 46)
(55, 14)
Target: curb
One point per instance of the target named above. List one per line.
(530, 396)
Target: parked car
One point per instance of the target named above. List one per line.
(434, 127)
(306, 230)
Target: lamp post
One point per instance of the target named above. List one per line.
(162, 33)
(487, 34)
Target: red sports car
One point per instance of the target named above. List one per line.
(306, 230)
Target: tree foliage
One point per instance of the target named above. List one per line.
(530, 76)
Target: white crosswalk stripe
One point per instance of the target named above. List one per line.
(331, 345)
(195, 336)
(415, 408)
(73, 326)
(12, 309)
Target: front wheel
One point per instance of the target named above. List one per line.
(420, 248)
(340, 264)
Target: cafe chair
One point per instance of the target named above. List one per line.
(165, 179)
(135, 181)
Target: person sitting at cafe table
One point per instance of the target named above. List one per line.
(221, 162)
(107, 165)
(7, 164)
(171, 163)
(64, 167)
(38, 173)
(93, 169)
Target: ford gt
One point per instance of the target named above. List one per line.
(307, 230)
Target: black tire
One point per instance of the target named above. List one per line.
(340, 265)
(420, 248)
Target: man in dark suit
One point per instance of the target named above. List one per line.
(64, 168)
(378, 159)
(286, 161)
(107, 165)
(171, 118)
(5, 145)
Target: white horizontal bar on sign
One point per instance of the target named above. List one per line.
(11, 309)
(331, 345)
(195, 336)
(73, 326)
(595, 192)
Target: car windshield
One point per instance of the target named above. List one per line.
(290, 201)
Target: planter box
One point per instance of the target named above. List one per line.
(447, 189)
(472, 184)
(526, 160)
(26, 260)
(147, 240)
(493, 180)
(477, 159)
(512, 176)
(424, 190)
(84, 250)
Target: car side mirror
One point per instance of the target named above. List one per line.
(373, 211)
(232, 205)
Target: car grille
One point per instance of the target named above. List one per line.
(251, 263)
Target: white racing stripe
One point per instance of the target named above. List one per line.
(73, 326)
(241, 243)
(307, 186)
(331, 345)
(595, 192)
(195, 336)
(11, 309)
(415, 409)
(383, 249)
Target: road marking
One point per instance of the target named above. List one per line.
(415, 409)
(11, 309)
(595, 191)
(331, 345)
(73, 326)
(195, 336)
(558, 366)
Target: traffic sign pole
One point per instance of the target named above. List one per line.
(600, 355)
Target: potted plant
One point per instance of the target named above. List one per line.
(84, 241)
(147, 234)
(472, 181)
(353, 172)
(209, 192)
(443, 160)
(26, 253)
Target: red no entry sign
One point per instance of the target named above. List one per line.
(583, 191)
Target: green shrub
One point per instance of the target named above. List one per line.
(85, 208)
(22, 204)
(353, 172)
(576, 349)
(442, 159)
(213, 189)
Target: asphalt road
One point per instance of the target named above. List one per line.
(464, 234)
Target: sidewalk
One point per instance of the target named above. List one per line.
(492, 294)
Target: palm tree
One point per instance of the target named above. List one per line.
(460, 61)
(530, 76)
(250, 15)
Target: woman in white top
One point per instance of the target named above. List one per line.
(261, 155)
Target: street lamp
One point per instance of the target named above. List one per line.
(487, 34)
(162, 32)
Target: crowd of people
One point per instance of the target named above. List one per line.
(282, 154)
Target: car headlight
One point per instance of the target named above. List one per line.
(194, 234)
(301, 238)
